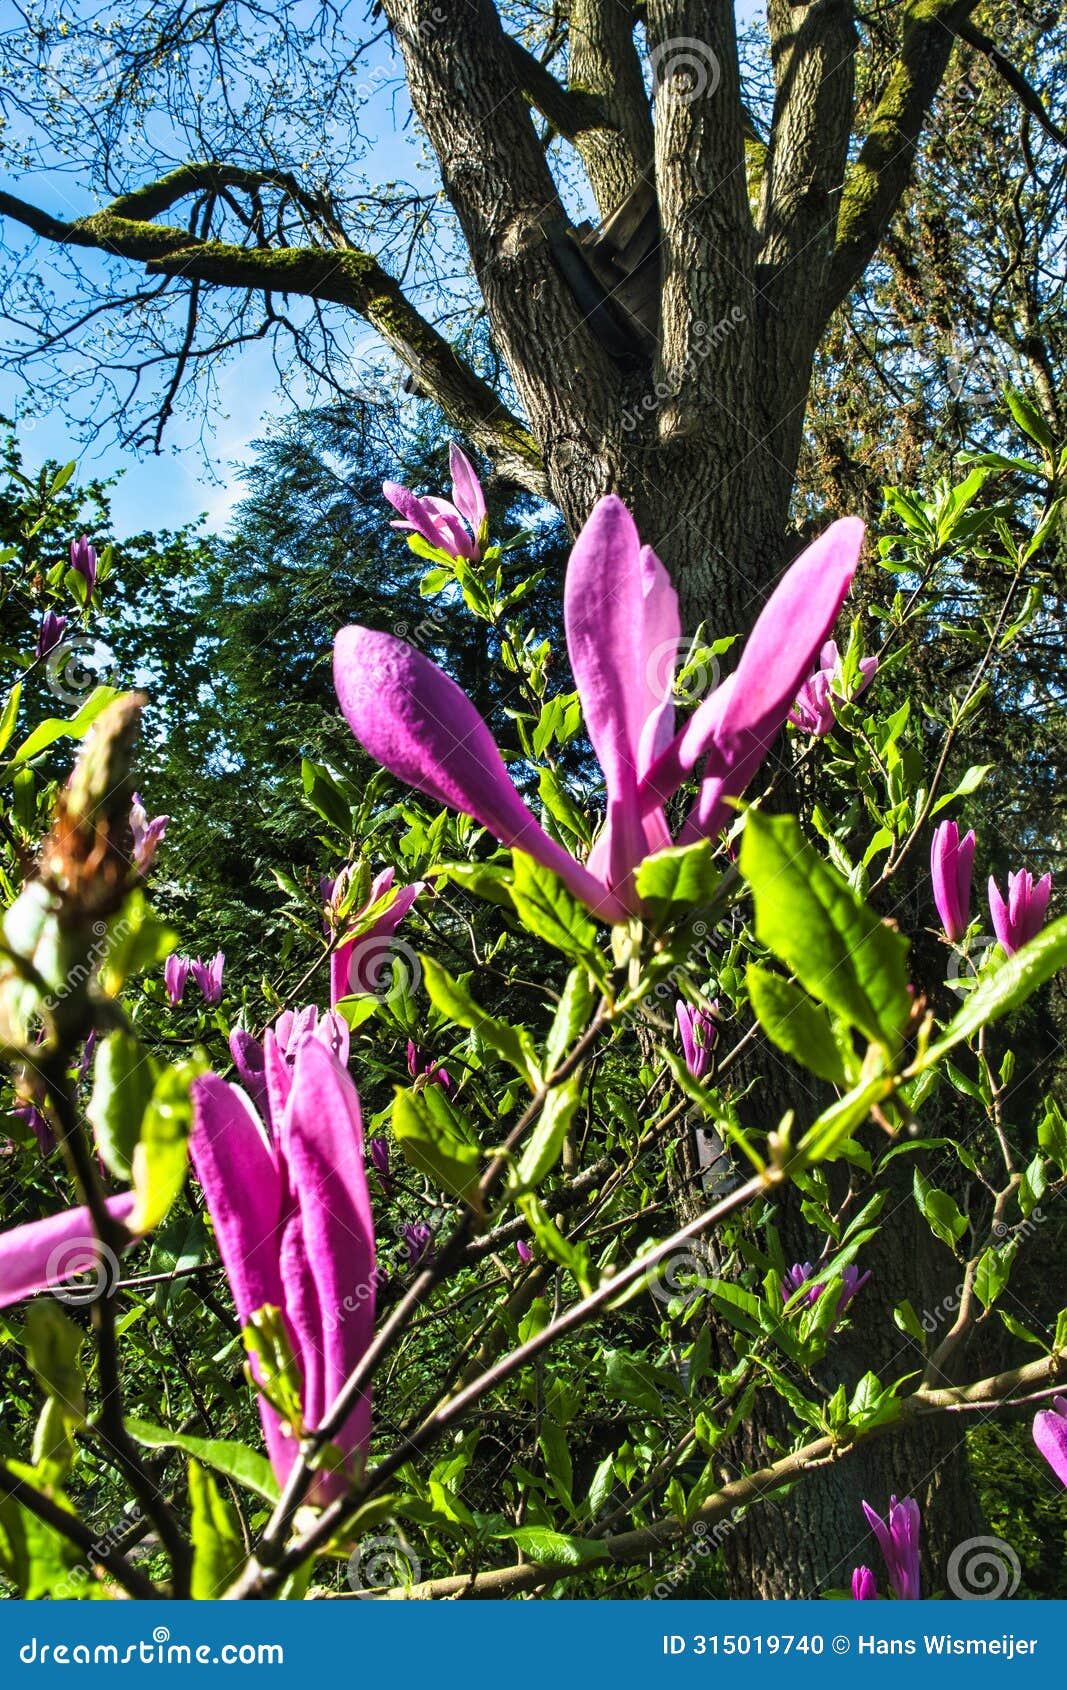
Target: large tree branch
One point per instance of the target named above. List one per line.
(708, 237)
(461, 75)
(603, 59)
(339, 275)
(879, 176)
(572, 112)
(1028, 97)
(631, 1548)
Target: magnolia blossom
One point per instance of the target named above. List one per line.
(1021, 916)
(83, 560)
(146, 834)
(378, 1150)
(699, 1033)
(208, 976)
(356, 963)
(864, 1588)
(440, 521)
(288, 1197)
(898, 1539)
(801, 1277)
(50, 633)
(45, 1253)
(1050, 1436)
(951, 862)
(418, 1239)
(176, 977)
(421, 1066)
(524, 1251)
(29, 1114)
(813, 710)
(621, 613)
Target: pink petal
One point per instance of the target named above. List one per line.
(44, 1253)
(419, 725)
(243, 1189)
(466, 488)
(322, 1141)
(413, 511)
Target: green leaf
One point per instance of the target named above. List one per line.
(9, 715)
(1030, 420)
(572, 1016)
(812, 920)
(161, 1154)
(627, 1381)
(1006, 987)
(52, 728)
(556, 1548)
(218, 1542)
(136, 940)
(991, 1275)
(939, 1210)
(835, 1126)
(970, 783)
(53, 1351)
(435, 1150)
(546, 908)
(513, 1044)
(325, 796)
(679, 878)
(124, 1078)
(796, 1025)
(1032, 1186)
(246, 1467)
(1052, 1134)
(545, 1145)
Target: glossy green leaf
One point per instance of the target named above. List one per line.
(246, 1467)
(810, 918)
(796, 1025)
(218, 1542)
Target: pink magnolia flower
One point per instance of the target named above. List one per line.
(356, 964)
(44, 1253)
(1021, 916)
(441, 521)
(951, 862)
(146, 834)
(898, 1539)
(802, 1275)
(176, 977)
(1050, 1436)
(620, 612)
(208, 976)
(864, 1587)
(420, 1065)
(813, 711)
(84, 561)
(698, 1033)
(288, 1198)
(50, 633)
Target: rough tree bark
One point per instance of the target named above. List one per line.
(702, 437)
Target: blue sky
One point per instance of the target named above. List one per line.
(179, 485)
